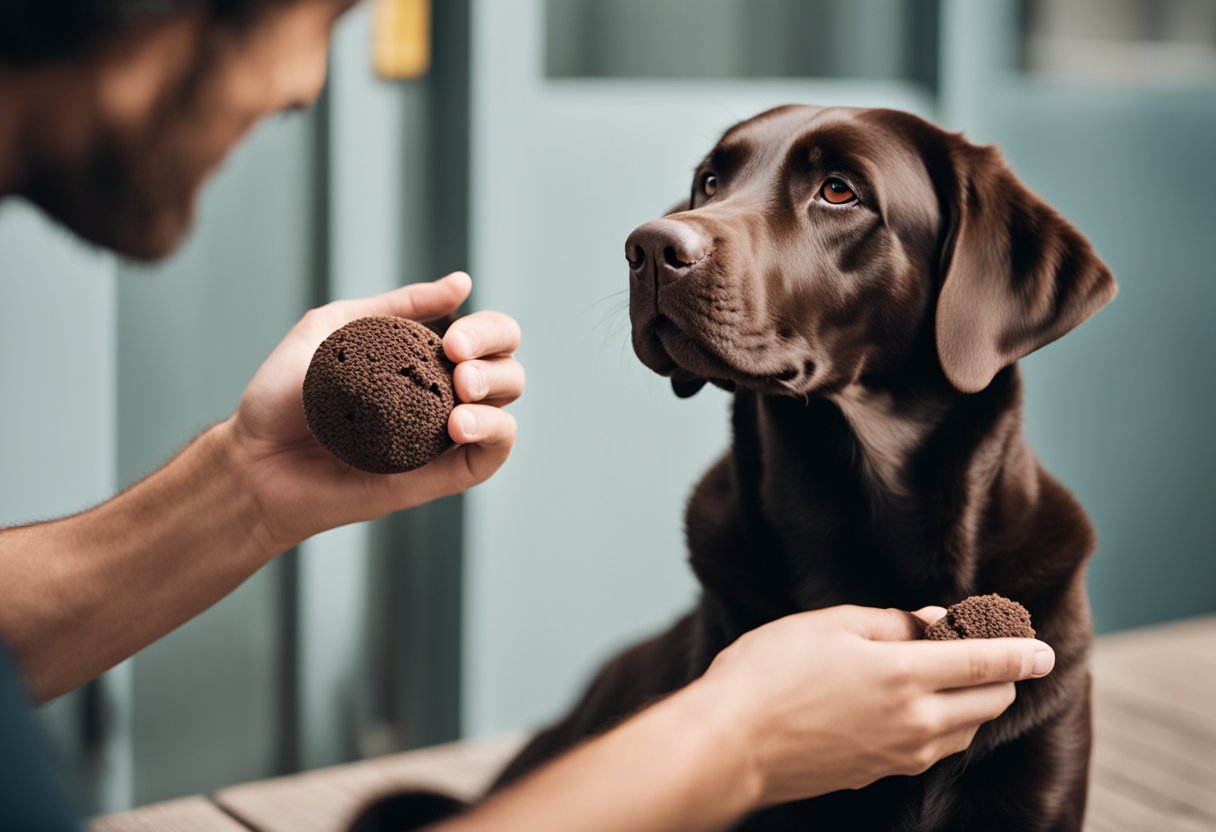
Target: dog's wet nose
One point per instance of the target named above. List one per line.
(672, 247)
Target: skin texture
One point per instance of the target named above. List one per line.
(877, 455)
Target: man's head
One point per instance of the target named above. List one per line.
(115, 111)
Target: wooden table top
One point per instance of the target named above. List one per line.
(1154, 763)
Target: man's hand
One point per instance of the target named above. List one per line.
(809, 704)
(838, 698)
(91, 589)
(301, 489)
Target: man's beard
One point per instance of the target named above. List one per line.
(133, 192)
(130, 198)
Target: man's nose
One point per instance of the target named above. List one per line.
(672, 248)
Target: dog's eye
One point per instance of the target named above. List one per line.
(709, 184)
(837, 192)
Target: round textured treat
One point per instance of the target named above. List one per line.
(982, 616)
(378, 394)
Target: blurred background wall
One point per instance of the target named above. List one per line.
(544, 131)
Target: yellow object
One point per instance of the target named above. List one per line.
(401, 38)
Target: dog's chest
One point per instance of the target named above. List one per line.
(888, 431)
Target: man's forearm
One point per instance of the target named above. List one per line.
(682, 764)
(80, 594)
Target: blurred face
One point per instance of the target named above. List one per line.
(169, 102)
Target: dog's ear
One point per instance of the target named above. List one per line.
(1018, 277)
(684, 384)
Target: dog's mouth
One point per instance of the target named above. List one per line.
(690, 362)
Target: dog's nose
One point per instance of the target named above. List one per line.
(673, 247)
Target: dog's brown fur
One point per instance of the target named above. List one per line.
(877, 456)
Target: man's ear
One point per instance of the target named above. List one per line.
(684, 384)
(1019, 275)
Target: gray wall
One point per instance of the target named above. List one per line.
(191, 333)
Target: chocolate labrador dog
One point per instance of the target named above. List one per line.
(864, 283)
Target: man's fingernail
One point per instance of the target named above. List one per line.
(468, 424)
(461, 344)
(477, 381)
(1044, 661)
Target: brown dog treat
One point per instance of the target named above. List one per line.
(378, 394)
(982, 616)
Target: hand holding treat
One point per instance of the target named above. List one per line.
(300, 488)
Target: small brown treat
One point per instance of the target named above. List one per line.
(378, 394)
(982, 616)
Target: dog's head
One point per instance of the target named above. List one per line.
(820, 245)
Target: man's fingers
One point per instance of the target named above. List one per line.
(481, 424)
(496, 380)
(978, 661)
(418, 301)
(881, 625)
(486, 434)
(480, 335)
(929, 615)
(967, 708)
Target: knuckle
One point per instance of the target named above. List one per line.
(1008, 694)
(1015, 666)
(922, 759)
(926, 721)
(962, 741)
(978, 667)
(900, 673)
(314, 317)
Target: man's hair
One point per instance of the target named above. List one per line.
(33, 31)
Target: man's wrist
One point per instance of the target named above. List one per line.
(235, 459)
(713, 711)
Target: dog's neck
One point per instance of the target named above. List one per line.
(880, 480)
(888, 430)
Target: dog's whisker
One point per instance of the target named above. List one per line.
(608, 316)
(609, 338)
(605, 299)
